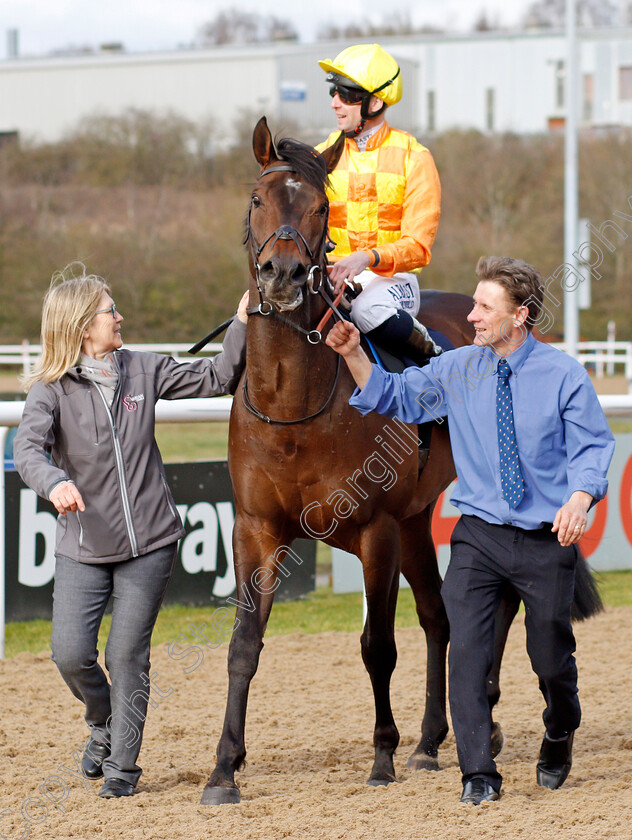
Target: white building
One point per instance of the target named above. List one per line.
(498, 81)
(515, 81)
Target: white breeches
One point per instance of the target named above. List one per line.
(382, 297)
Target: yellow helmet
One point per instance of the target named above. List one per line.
(371, 68)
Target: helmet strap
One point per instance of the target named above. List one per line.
(364, 116)
(352, 133)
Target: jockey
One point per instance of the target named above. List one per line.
(384, 200)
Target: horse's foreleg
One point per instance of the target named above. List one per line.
(505, 615)
(379, 654)
(257, 560)
(419, 566)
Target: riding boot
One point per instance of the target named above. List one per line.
(421, 341)
(403, 334)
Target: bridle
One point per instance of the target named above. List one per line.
(318, 265)
(287, 232)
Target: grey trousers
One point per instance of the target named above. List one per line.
(115, 710)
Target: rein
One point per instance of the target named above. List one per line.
(254, 410)
(314, 336)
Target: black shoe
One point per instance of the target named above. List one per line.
(555, 761)
(113, 788)
(478, 790)
(93, 757)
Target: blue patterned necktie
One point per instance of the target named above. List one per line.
(510, 475)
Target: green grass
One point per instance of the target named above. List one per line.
(615, 588)
(183, 442)
(319, 612)
(620, 427)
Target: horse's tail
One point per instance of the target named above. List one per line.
(587, 600)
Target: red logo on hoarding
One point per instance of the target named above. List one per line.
(625, 500)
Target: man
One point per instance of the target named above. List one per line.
(531, 447)
(384, 200)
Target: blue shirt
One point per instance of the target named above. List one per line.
(564, 441)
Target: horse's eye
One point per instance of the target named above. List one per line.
(255, 201)
(322, 210)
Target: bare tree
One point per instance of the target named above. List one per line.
(549, 14)
(229, 27)
(397, 23)
(236, 27)
(485, 23)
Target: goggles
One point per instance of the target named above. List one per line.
(347, 95)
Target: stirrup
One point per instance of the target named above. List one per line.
(422, 340)
(351, 291)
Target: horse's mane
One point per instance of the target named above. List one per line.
(308, 163)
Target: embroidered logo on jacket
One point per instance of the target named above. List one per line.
(131, 403)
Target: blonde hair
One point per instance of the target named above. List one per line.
(69, 305)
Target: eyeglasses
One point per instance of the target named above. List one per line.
(348, 95)
(111, 309)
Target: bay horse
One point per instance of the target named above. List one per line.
(304, 463)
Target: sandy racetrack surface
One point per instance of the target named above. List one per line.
(309, 734)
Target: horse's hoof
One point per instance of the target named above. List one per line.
(498, 739)
(421, 761)
(217, 795)
(382, 780)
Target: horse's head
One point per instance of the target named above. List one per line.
(286, 227)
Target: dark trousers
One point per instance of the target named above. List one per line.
(115, 710)
(484, 558)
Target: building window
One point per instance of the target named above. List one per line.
(430, 107)
(560, 78)
(625, 84)
(589, 87)
(489, 109)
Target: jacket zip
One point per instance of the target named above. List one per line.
(127, 511)
(80, 530)
(168, 495)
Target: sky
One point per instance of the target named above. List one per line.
(142, 25)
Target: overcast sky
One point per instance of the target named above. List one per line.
(46, 25)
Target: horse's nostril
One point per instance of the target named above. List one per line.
(268, 270)
(299, 274)
(282, 272)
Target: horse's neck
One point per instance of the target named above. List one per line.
(287, 375)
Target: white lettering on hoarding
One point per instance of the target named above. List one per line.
(32, 523)
(198, 551)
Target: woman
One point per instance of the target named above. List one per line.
(86, 442)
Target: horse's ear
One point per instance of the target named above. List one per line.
(333, 154)
(262, 143)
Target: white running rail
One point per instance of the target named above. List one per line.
(604, 357)
(24, 355)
